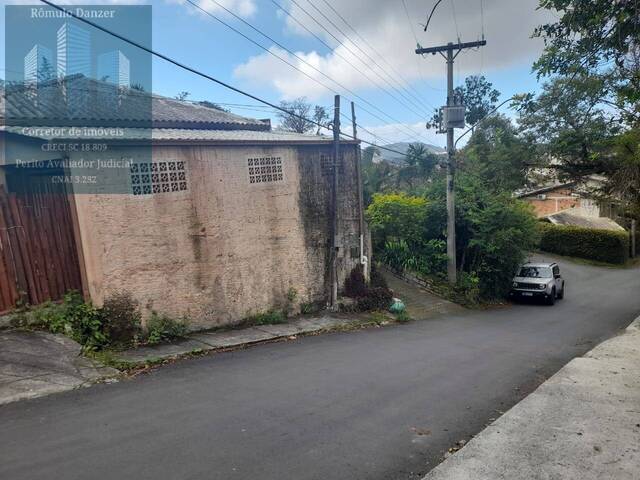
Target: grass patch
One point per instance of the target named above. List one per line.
(270, 317)
(403, 317)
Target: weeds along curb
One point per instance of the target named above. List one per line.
(131, 369)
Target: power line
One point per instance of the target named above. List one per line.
(415, 37)
(330, 48)
(455, 18)
(289, 63)
(368, 44)
(198, 72)
(352, 53)
(282, 47)
(482, 17)
(431, 14)
(358, 47)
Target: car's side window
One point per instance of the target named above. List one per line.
(556, 271)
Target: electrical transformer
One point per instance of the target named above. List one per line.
(453, 116)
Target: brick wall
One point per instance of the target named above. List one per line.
(225, 248)
(555, 201)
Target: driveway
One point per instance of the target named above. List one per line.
(374, 404)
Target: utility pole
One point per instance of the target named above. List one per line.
(334, 205)
(453, 117)
(633, 238)
(363, 257)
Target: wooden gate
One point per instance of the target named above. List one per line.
(38, 254)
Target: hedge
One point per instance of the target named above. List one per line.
(602, 245)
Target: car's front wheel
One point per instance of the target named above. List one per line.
(552, 298)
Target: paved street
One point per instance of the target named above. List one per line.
(377, 404)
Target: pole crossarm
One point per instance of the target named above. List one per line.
(451, 46)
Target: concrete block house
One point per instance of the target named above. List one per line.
(214, 216)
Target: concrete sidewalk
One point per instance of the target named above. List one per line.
(34, 364)
(583, 423)
(218, 340)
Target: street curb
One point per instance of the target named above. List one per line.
(522, 442)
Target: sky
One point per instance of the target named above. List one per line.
(361, 49)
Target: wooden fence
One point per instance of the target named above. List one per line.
(38, 255)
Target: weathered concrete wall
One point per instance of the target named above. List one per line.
(225, 248)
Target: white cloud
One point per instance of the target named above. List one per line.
(384, 26)
(243, 8)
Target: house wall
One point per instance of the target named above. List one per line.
(224, 248)
(561, 199)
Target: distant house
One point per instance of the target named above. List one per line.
(214, 215)
(561, 196)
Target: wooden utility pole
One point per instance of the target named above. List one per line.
(363, 258)
(633, 238)
(453, 117)
(334, 205)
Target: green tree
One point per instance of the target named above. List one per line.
(494, 232)
(569, 126)
(597, 39)
(419, 166)
(478, 96)
(497, 155)
(623, 168)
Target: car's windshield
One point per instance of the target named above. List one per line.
(535, 272)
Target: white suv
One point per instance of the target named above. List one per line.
(538, 280)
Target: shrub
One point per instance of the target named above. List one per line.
(311, 307)
(601, 245)
(121, 319)
(403, 317)
(162, 328)
(355, 285)
(73, 317)
(377, 298)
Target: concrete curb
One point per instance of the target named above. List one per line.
(200, 342)
(582, 423)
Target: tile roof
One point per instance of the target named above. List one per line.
(94, 103)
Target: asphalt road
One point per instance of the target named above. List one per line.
(377, 404)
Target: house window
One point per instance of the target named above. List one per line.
(158, 177)
(265, 169)
(326, 165)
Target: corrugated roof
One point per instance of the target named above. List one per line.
(569, 218)
(78, 100)
(170, 135)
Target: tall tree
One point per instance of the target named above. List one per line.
(497, 156)
(419, 165)
(567, 122)
(599, 39)
(321, 117)
(298, 118)
(478, 96)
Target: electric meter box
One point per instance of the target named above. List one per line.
(453, 116)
